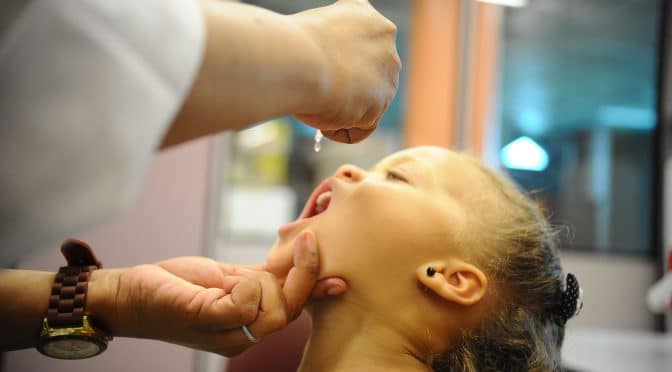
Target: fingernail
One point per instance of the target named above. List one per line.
(312, 246)
(334, 290)
(310, 243)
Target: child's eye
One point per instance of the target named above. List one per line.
(394, 176)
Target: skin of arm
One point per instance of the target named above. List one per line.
(24, 305)
(335, 68)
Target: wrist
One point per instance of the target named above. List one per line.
(314, 77)
(103, 304)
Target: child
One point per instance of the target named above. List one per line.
(449, 267)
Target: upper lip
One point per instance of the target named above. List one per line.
(309, 210)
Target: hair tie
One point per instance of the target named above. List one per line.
(571, 298)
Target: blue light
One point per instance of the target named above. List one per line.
(525, 154)
(531, 120)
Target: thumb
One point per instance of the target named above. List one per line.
(302, 277)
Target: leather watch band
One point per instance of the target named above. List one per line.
(68, 293)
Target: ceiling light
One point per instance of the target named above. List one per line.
(524, 154)
(512, 3)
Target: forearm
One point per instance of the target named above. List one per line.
(257, 65)
(24, 296)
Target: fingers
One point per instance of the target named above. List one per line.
(351, 135)
(219, 310)
(246, 296)
(280, 305)
(234, 341)
(303, 276)
(272, 315)
(329, 287)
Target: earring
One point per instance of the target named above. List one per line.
(431, 271)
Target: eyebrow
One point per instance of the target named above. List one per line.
(418, 174)
(395, 160)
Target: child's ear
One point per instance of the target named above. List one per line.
(454, 280)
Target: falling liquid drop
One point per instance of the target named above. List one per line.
(318, 138)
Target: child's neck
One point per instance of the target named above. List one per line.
(347, 338)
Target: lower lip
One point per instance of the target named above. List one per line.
(289, 226)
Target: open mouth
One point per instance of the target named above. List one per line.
(318, 202)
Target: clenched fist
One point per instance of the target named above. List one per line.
(361, 68)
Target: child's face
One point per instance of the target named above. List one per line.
(409, 208)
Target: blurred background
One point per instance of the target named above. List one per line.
(572, 98)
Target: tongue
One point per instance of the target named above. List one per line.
(323, 202)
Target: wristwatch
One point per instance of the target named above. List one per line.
(67, 330)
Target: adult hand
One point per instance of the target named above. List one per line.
(335, 68)
(201, 303)
(280, 262)
(362, 68)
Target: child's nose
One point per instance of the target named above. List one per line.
(350, 173)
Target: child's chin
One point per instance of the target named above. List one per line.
(280, 258)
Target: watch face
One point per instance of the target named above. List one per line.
(72, 347)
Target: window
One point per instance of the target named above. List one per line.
(578, 113)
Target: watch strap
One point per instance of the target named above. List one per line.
(68, 293)
(78, 253)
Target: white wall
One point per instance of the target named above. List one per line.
(615, 290)
(614, 331)
(166, 220)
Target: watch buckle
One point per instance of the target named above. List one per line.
(87, 329)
